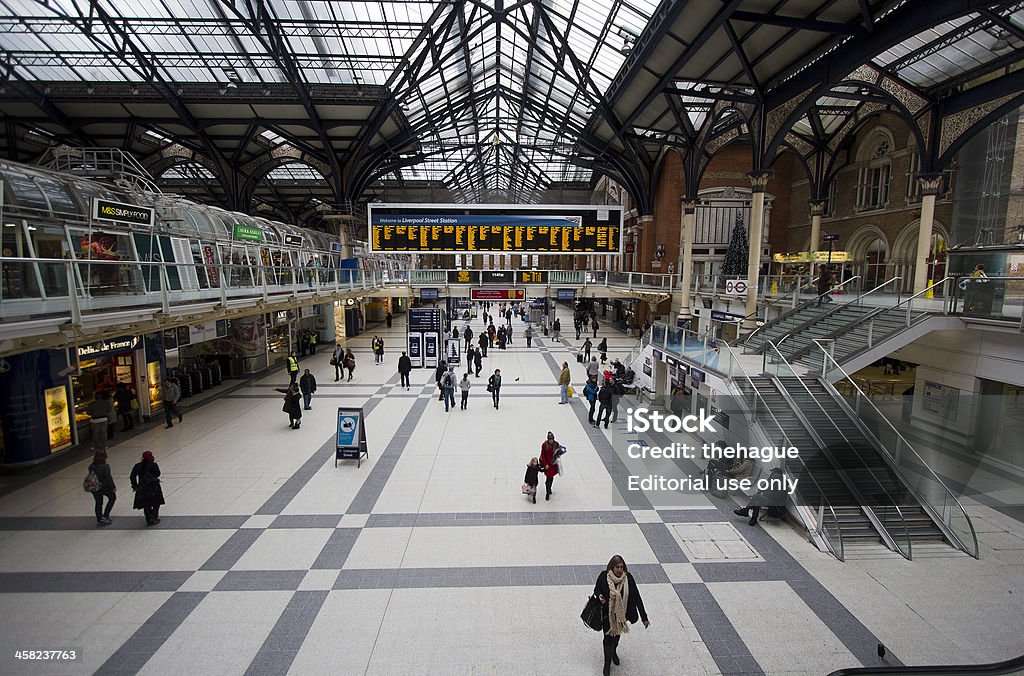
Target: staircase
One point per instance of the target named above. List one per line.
(862, 463)
(814, 470)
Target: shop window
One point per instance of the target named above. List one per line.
(18, 279)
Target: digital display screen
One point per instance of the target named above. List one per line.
(549, 229)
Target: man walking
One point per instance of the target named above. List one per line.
(307, 385)
(593, 324)
(338, 359)
(468, 335)
(528, 334)
(586, 348)
(449, 381)
(494, 386)
(171, 395)
(477, 362)
(293, 368)
(404, 369)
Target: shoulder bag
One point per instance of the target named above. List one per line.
(592, 614)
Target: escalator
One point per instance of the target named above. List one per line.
(815, 472)
(867, 470)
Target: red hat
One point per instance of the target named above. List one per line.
(147, 455)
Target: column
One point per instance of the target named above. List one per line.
(758, 182)
(930, 184)
(817, 208)
(644, 226)
(686, 256)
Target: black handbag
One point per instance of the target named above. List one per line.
(593, 614)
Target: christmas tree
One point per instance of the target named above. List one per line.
(737, 253)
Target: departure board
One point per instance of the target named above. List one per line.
(556, 229)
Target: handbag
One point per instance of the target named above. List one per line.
(593, 614)
(334, 361)
(527, 489)
(570, 391)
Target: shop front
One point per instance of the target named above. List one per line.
(103, 367)
(200, 356)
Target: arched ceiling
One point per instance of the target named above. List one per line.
(485, 100)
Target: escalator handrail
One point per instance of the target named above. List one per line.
(1011, 666)
(906, 530)
(827, 503)
(906, 443)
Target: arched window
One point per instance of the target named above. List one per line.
(875, 171)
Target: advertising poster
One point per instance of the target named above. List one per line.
(348, 429)
(58, 419)
(156, 401)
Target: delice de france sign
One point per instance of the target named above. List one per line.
(121, 213)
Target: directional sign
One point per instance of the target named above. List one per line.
(736, 287)
(497, 294)
(830, 238)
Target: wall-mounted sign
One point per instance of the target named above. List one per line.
(293, 240)
(463, 276)
(121, 344)
(429, 294)
(736, 287)
(337, 247)
(834, 256)
(498, 276)
(532, 276)
(830, 238)
(462, 228)
(567, 294)
(497, 294)
(247, 233)
(122, 213)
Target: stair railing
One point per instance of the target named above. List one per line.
(746, 339)
(884, 502)
(929, 489)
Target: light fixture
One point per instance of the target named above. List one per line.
(134, 90)
(1000, 44)
(231, 85)
(89, 89)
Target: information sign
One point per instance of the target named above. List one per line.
(428, 294)
(497, 294)
(463, 276)
(498, 276)
(830, 238)
(351, 436)
(424, 319)
(532, 276)
(460, 228)
(736, 287)
(293, 240)
(567, 294)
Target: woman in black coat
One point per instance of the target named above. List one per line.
(145, 478)
(292, 405)
(620, 597)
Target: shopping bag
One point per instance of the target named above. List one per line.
(570, 391)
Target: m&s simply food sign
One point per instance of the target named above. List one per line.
(120, 212)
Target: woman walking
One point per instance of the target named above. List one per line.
(617, 591)
(548, 457)
(107, 488)
(145, 478)
(291, 406)
(464, 386)
(494, 386)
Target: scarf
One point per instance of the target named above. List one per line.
(618, 598)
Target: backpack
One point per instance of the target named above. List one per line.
(92, 483)
(605, 395)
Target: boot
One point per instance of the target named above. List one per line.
(741, 512)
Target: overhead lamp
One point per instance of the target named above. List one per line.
(134, 90)
(89, 89)
(1000, 44)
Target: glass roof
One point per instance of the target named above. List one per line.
(494, 99)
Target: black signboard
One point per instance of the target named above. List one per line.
(532, 276)
(112, 345)
(463, 276)
(424, 319)
(293, 240)
(498, 276)
(119, 212)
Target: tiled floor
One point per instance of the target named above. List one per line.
(428, 559)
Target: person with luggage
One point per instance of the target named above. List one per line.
(602, 347)
(550, 452)
(105, 489)
(587, 345)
